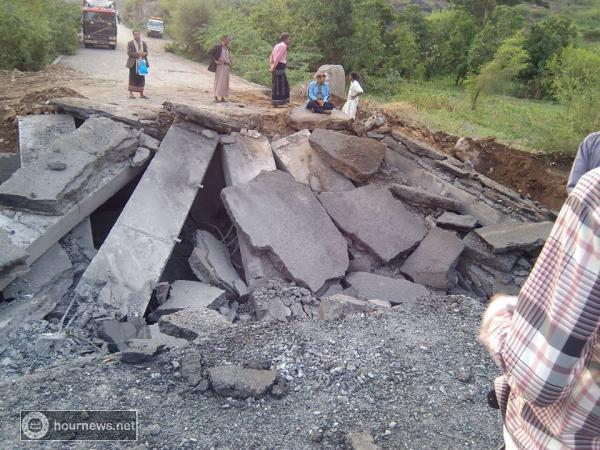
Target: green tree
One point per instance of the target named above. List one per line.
(189, 18)
(545, 40)
(501, 73)
(576, 83)
(402, 51)
(504, 23)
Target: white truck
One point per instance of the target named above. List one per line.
(155, 27)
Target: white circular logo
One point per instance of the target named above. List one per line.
(35, 425)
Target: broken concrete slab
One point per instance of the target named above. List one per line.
(479, 251)
(35, 233)
(186, 294)
(192, 322)
(515, 236)
(97, 150)
(357, 158)
(295, 155)
(418, 197)
(373, 218)
(210, 261)
(148, 142)
(276, 300)
(146, 117)
(341, 305)
(298, 235)
(257, 264)
(429, 182)
(168, 342)
(457, 221)
(418, 147)
(9, 164)
(139, 351)
(240, 383)
(369, 286)
(301, 118)
(434, 260)
(38, 132)
(134, 255)
(245, 158)
(209, 118)
(141, 156)
(38, 292)
(117, 333)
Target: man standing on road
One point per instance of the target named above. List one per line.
(319, 95)
(136, 50)
(220, 64)
(588, 158)
(280, 88)
(546, 340)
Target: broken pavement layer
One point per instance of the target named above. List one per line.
(244, 157)
(36, 293)
(301, 118)
(240, 383)
(211, 263)
(511, 236)
(357, 158)
(374, 219)
(38, 132)
(457, 221)
(9, 164)
(192, 322)
(369, 286)
(98, 148)
(13, 260)
(434, 261)
(186, 294)
(283, 218)
(295, 156)
(135, 253)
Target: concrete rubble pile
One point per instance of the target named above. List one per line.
(315, 225)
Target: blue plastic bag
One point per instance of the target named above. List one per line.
(142, 67)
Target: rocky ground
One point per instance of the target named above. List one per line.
(412, 376)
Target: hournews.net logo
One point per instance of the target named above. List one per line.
(79, 425)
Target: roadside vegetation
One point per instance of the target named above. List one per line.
(34, 32)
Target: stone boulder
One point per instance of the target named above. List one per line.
(301, 118)
(240, 383)
(283, 218)
(185, 294)
(374, 219)
(435, 259)
(295, 156)
(369, 286)
(357, 158)
(506, 237)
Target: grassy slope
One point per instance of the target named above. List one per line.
(527, 124)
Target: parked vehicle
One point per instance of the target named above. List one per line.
(155, 27)
(99, 23)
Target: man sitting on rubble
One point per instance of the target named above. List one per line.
(546, 340)
(319, 95)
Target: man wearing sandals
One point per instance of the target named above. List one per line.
(220, 65)
(136, 50)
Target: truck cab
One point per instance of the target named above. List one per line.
(155, 27)
(99, 23)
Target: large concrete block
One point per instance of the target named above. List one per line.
(295, 156)
(301, 118)
(369, 286)
(13, 260)
(477, 250)
(245, 158)
(78, 163)
(515, 236)
(374, 219)
(357, 158)
(38, 133)
(336, 78)
(134, 255)
(211, 263)
(283, 217)
(434, 260)
(257, 264)
(192, 322)
(38, 292)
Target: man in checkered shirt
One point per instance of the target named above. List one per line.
(546, 339)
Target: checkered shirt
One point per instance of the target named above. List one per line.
(546, 339)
